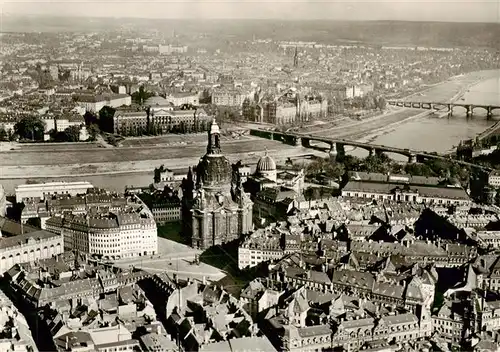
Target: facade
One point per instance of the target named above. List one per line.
(171, 49)
(229, 97)
(215, 212)
(358, 90)
(41, 191)
(181, 98)
(403, 188)
(489, 239)
(259, 248)
(165, 205)
(128, 122)
(29, 247)
(287, 109)
(494, 179)
(353, 334)
(60, 123)
(120, 235)
(94, 103)
(166, 121)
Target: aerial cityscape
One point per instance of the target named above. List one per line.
(249, 177)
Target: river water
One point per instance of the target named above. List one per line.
(442, 134)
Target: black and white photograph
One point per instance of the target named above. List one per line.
(250, 175)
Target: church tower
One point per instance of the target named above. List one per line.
(216, 215)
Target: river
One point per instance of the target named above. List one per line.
(442, 134)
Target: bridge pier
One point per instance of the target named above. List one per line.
(379, 152)
(370, 151)
(340, 151)
(469, 109)
(489, 112)
(333, 151)
(412, 159)
(297, 141)
(306, 142)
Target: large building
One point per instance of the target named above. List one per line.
(229, 97)
(215, 212)
(98, 223)
(163, 118)
(289, 108)
(112, 236)
(41, 191)
(94, 103)
(130, 122)
(165, 204)
(404, 188)
(29, 247)
(177, 120)
(181, 98)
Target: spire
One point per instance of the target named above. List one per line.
(214, 127)
(213, 146)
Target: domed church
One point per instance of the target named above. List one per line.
(216, 210)
(266, 167)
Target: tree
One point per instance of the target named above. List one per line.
(141, 96)
(94, 131)
(380, 103)
(30, 127)
(106, 115)
(3, 134)
(72, 133)
(90, 118)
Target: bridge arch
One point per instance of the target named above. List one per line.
(465, 108)
(482, 108)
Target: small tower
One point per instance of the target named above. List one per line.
(213, 146)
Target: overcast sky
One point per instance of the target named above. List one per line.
(423, 10)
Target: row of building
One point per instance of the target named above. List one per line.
(90, 220)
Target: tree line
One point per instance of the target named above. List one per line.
(32, 128)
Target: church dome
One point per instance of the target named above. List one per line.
(266, 163)
(214, 170)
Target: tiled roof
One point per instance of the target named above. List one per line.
(40, 235)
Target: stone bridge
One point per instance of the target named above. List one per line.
(469, 108)
(337, 146)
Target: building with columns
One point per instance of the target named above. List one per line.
(216, 209)
(29, 247)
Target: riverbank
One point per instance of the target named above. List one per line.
(279, 151)
(459, 86)
(142, 155)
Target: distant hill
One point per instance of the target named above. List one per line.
(443, 34)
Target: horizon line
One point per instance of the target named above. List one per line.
(6, 14)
